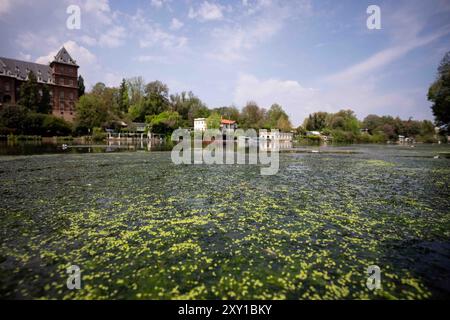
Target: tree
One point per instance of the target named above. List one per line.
(371, 123)
(163, 123)
(188, 107)
(13, 119)
(157, 97)
(275, 116)
(252, 116)
(136, 89)
(283, 124)
(91, 112)
(98, 89)
(54, 126)
(81, 87)
(44, 105)
(316, 121)
(124, 100)
(439, 94)
(29, 93)
(231, 113)
(213, 121)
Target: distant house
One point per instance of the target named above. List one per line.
(139, 127)
(200, 124)
(280, 136)
(228, 125)
(313, 133)
(225, 125)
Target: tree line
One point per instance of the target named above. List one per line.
(137, 101)
(343, 126)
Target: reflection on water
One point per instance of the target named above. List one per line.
(40, 147)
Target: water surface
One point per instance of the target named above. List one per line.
(141, 227)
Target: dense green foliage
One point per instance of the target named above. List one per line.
(343, 126)
(33, 96)
(164, 122)
(81, 87)
(136, 101)
(439, 94)
(20, 120)
(213, 121)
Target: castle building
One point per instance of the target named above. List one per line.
(61, 77)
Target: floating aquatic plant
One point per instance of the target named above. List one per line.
(140, 227)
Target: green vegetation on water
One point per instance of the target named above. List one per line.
(141, 227)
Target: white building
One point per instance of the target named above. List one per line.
(226, 126)
(280, 136)
(200, 124)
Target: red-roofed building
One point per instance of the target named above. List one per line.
(228, 125)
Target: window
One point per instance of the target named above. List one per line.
(61, 81)
(61, 95)
(70, 82)
(71, 96)
(7, 88)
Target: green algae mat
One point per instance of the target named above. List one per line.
(140, 227)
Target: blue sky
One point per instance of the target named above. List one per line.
(305, 55)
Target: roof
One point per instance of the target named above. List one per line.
(226, 121)
(64, 57)
(20, 69)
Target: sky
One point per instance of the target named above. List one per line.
(304, 55)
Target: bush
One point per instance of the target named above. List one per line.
(54, 126)
(341, 136)
(13, 119)
(426, 139)
(34, 123)
(98, 134)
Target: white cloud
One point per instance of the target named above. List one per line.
(152, 35)
(113, 38)
(234, 42)
(90, 41)
(5, 6)
(176, 24)
(154, 59)
(99, 10)
(158, 3)
(112, 79)
(207, 12)
(31, 41)
(384, 57)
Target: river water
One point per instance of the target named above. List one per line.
(139, 226)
